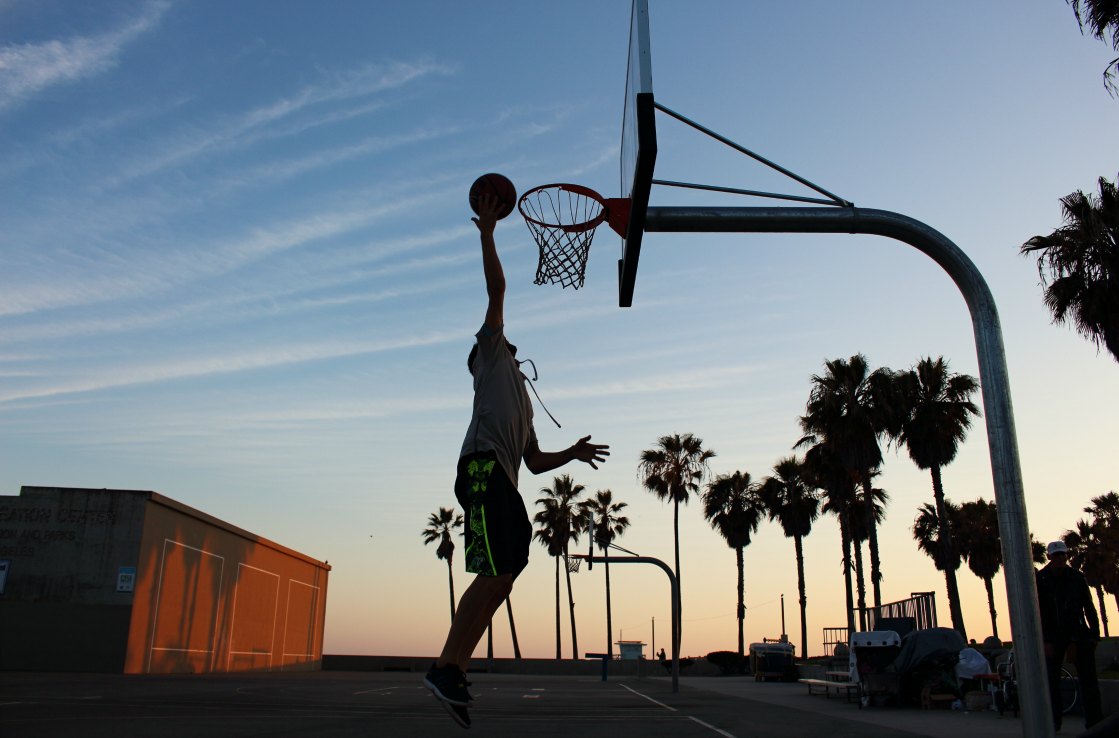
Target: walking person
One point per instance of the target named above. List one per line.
(500, 435)
(1068, 619)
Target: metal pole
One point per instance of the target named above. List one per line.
(675, 605)
(1006, 469)
(784, 636)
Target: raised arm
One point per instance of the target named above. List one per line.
(488, 207)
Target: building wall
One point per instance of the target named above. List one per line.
(62, 607)
(212, 597)
(122, 580)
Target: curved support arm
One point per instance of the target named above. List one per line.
(675, 602)
(998, 412)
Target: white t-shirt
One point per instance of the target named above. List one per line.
(502, 418)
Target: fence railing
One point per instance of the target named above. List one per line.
(916, 613)
(834, 637)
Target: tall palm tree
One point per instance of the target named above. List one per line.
(513, 628)
(794, 501)
(865, 512)
(829, 475)
(844, 409)
(734, 508)
(674, 470)
(1079, 265)
(605, 524)
(550, 540)
(440, 525)
(1105, 524)
(932, 413)
(929, 528)
(980, 545)
(1101, 17)
(560, 516)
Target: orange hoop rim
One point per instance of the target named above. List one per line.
(567, 227)
(615, 210)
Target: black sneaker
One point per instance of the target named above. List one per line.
(449, 685)
(458, 713)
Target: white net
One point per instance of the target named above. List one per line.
(562, 220)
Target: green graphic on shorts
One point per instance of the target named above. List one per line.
(479, 560)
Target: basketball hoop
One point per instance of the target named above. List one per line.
(562, 219)
(573, 563)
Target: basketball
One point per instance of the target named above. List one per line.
(497, 185)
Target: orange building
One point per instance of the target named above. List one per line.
(131, 581)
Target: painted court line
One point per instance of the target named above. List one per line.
(631, 689)
(382, 689)
(709, 726)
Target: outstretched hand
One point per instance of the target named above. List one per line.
(584, 450)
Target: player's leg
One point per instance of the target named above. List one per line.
(475, 610)
(499, 554)
(481, 487)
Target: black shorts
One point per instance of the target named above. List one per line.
(498, 531)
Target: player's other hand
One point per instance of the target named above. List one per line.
(584, 450)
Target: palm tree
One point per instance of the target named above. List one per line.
(440, 525)
(1037, 550)
(605, 524)
(844, 410)
(792, 500)
(513, 628)
(1105, 522)
(1079, 266)
(865, 512)
(1101, 17)
(1086, 554)
(829, 475)
(929, 529)
(549, 539)
(734, 508)
(980, 545)
(932, 414)
(674, 470)
(559, 526)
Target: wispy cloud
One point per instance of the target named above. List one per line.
(247, 360)
(246, 129)
(283, 170)
(26, 69)
(148, 270)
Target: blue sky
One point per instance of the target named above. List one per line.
(238, 269)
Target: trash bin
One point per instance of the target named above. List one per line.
(771, 660)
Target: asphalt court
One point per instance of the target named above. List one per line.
(368, 704)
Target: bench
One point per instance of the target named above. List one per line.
(827, 686)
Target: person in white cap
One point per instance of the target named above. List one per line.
(1068, 618)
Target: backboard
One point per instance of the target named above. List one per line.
(639, 147)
